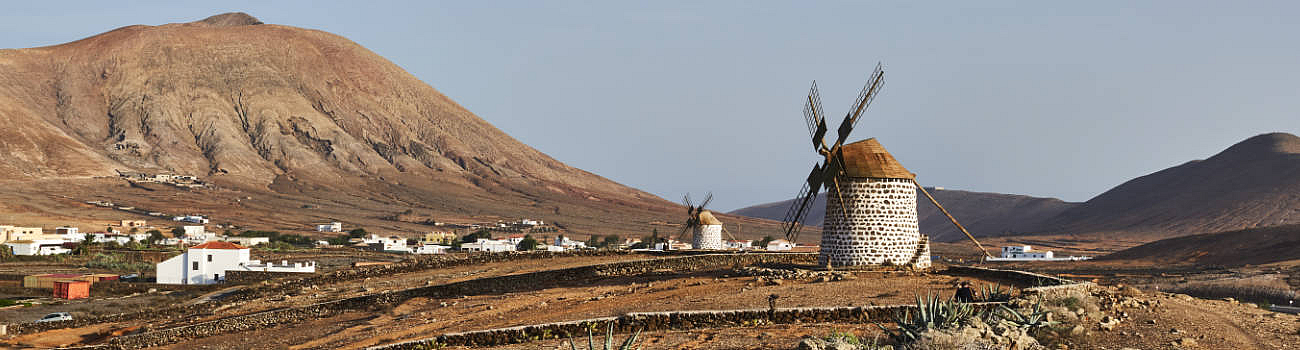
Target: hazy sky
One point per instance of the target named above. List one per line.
(1061, 100)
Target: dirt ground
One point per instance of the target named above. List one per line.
(1212, 324)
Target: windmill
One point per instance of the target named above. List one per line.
(706, 229)
(871, 198)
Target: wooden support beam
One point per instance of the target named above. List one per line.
(954, 220)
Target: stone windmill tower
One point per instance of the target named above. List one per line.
(706, 229)
(871, 198)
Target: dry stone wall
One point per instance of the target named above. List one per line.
(501, 284)
(659, 321)
(874, 224)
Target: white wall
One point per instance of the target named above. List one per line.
(181, 268)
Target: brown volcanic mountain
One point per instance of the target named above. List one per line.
(301, 117)
(1254, 183)
(984, 214)
(1251, 246)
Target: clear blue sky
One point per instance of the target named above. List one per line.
(1061, 100)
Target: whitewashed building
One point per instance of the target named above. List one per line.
(569, 243)
(740, 244)
(209, 262)
(284, 266)
(777, 245)
(37, 247)
(1025, 252)
(202, 264)
(489, 245)
(195, 219)
(330, 227)
(429, 249)
(388, 244)
(247, 241)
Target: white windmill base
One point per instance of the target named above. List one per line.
(707, 237)
(880, 227)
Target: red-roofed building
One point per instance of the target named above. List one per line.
(218, 245)
(205, 263)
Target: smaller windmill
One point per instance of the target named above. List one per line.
(706, 229)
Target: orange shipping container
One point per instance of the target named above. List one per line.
(71, 289)
(47, 280)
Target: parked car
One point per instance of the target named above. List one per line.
(55, 317)
(129, 278)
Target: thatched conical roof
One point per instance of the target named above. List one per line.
(867, 158)
(707, 218)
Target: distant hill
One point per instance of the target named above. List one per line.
(314, 126)
(1254, 183)
(984, 214)
(1250, 246)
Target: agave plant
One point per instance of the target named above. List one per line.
(609, 339)
(996, 293)
(1031, 320)
(932, 313)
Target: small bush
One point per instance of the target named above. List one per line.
(1253, 291)
(1070, 303)
(7, 302)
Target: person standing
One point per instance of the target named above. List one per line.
(964, 293)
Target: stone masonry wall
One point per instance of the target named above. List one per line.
(659, 321)
(707, 237)
(881, 224)
(501, 284)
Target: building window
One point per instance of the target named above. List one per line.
(209, 257)
(216, 277)
(196, 266)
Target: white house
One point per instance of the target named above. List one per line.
(569, 243)
(66, 231)
(247, 241)
(206, 263)
(739, 244)
(108, 237)
(779, 245)
(330, 227)
(429, 249)
(515, 239)
(37, 247)
(489, 245)
(194, 230)
(1024, 252)
(284, 266)
(388, 244)
(195, 219)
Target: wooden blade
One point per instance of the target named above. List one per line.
(793, 221)
(707, 199)
(813, 117)
(875, 82)
(954, 220)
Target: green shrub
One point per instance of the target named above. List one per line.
(609, 339)
(932, 313)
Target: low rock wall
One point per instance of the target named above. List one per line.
(659, 321)
(248, 277)
(1019, 277)
(501, 284)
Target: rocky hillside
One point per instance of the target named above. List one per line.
(1254, 183)
(280, 110)
(1240, 247)
(984, 214)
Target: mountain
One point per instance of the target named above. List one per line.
(282, 116)
(984, 214)
(1254, 183)
(1240, 247)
